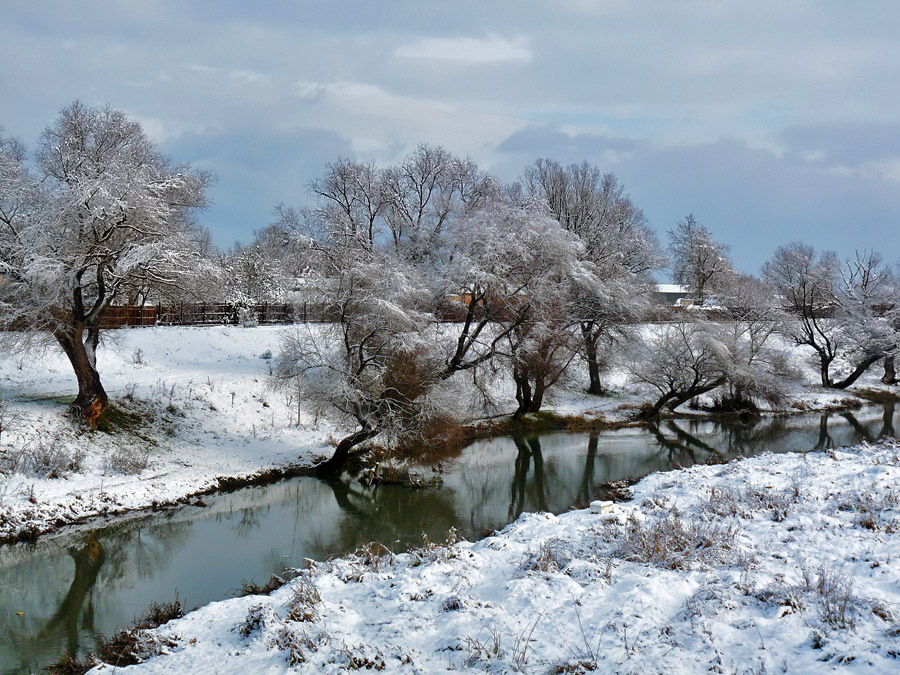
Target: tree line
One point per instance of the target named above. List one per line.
(549, 275)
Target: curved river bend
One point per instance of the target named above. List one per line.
(66, 591)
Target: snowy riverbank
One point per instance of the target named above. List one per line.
(778, 563)
(193, 407)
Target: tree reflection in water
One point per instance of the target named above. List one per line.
(266, 527)
(88, 561)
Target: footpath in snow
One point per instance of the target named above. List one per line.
(778, 563)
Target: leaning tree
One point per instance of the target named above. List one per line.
(98, 212)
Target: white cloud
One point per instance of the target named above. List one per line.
(492, 49)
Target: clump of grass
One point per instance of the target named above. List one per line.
(874, 512)
(373, 557)
(69, 665)
(745, 503)
(304, 602)
(431, 551)
(258, 617)
(671, 542)
(837, 602)
(136, 644)
(42, 458)
(275, 582)
(128, 461)
(550, 557)
(297, 644)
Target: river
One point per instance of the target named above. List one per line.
(67, 590)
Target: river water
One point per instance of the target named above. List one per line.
(68, 590)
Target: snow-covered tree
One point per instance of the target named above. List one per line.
(253, 276)
(868, 297)
(373, 366)
(679, 361)
(618, 242)
(102, 211)
(698, 261)
(806, 284)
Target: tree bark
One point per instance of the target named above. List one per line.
(862, 367)
(338, 460)
(590, 354)
(92, 399)
(890, 375)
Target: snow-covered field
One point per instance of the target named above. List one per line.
(207, 412)
(778, 563)
(195, 406)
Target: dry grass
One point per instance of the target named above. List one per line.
(304, 602)
(671, 542)
(751, 500)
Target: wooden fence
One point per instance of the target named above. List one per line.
(209, 314)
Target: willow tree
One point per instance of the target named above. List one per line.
(99, 211)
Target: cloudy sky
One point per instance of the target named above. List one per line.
(771, 121)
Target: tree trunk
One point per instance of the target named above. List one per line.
(824, 368)
(862, 367)
(341, 454)
(890, 376)
(80, 350)
(523, 391)
(590, 354)
(530, 398)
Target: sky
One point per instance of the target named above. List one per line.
(770, 121)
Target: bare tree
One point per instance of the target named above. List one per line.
(427, 189)
(104, 211)
(355, 197)
(698, 261)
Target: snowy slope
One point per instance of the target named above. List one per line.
(779, 563)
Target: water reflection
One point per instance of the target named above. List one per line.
(72, 588)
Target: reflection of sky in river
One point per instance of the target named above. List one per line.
(74, 587)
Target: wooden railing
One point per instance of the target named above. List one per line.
(209, 314)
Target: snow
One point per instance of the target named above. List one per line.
(214, 416)
(798, 574)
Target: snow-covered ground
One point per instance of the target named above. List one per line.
(195, 407)
(778, 563)
(203, 410)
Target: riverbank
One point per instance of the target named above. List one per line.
(778, 563)
(193, 413)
